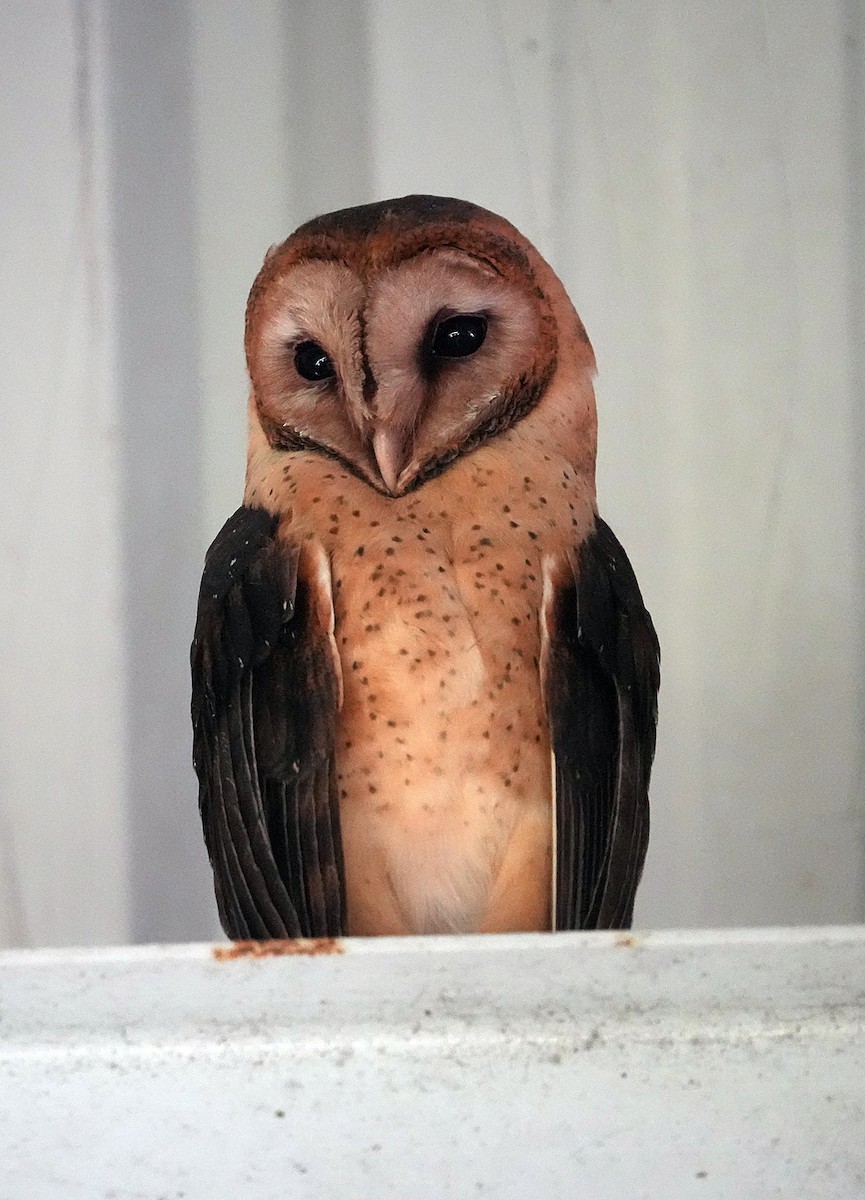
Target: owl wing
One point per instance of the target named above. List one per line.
(601, 677)
(265, 696)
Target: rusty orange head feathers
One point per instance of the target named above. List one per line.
(397, 336)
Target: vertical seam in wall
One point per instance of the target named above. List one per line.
(854, 65)
(159, 401)
(332, 123)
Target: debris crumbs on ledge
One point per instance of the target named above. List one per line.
(277, 947)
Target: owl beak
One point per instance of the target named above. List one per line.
(391, 448)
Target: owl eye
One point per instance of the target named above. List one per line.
(312, 362)
(459, 336)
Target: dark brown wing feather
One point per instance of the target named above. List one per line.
(265, 696)
(601, 685)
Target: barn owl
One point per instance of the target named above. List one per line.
(424, 681)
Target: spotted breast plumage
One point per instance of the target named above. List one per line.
(424, 681)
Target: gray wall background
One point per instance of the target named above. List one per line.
(695, 173)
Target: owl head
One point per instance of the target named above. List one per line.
(396, 337)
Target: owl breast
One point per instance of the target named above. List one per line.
(446, 810)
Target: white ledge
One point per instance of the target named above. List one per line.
(709, 1064)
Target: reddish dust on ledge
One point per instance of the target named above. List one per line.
(278, 947)
(626, 940)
